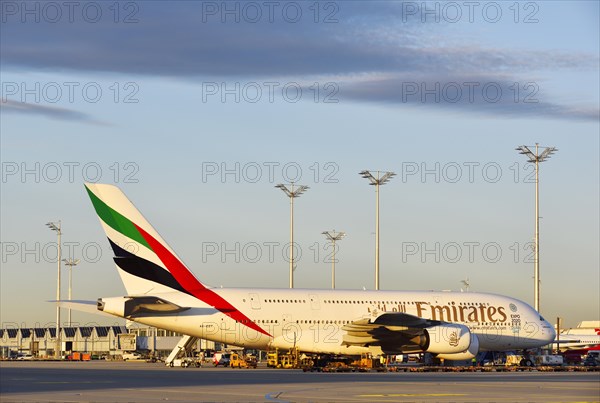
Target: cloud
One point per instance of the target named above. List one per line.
(52, 112)
(184, 39)
(488, 95)
(192, 41)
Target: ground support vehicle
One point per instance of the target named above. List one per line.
(289, 360)
(240, 361)
(368, 363)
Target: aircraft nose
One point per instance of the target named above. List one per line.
(549, 331)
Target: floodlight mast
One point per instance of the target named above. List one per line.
(333, 236)
(71, 263)
(292, 194)
(57, 227)
(377, 181)
(536, 158)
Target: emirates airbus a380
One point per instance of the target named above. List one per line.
(162, 292)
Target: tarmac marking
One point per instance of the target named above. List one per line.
(414, 394)
(545, 385)
(571, 387)
(187, 390)
(73, 382)
(274, 397)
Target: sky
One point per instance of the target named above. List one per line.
(198, 109)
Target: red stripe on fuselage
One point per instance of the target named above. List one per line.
(193, 286)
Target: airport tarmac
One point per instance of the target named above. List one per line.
(103, 381)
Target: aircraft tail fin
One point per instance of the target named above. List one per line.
(144, 260)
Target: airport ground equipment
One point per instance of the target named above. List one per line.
(77, 356)
(368, 363)
(330, 363)
(286, 362)
(572, 358)
(239, 360)
(550, 359)
(273, 358)
(289, 360)
(181, 362)
(183, 348)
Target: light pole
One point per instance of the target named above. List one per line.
(558, 335)
(57, 227)
(377, 181)
(536, 158)
(292, 194)
(70, 262)
(333, 236)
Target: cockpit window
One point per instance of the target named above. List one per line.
(542, 318)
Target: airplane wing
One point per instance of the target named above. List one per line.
(404, 319)
(399, 333)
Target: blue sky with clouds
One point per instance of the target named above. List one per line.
(198, 109)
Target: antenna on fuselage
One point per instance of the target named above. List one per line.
(466, 283)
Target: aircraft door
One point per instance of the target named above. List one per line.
(314, 302)
(254, 300)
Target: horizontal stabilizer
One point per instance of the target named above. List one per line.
(82, 306)
(130, 306)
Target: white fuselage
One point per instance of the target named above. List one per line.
(576, 341)
(312, 319)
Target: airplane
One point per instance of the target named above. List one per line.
(162, 292)
(581, 343)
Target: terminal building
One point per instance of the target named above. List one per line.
(99, 341)
(41, 341)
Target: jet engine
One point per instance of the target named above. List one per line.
(447, 338)
(470, 353)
